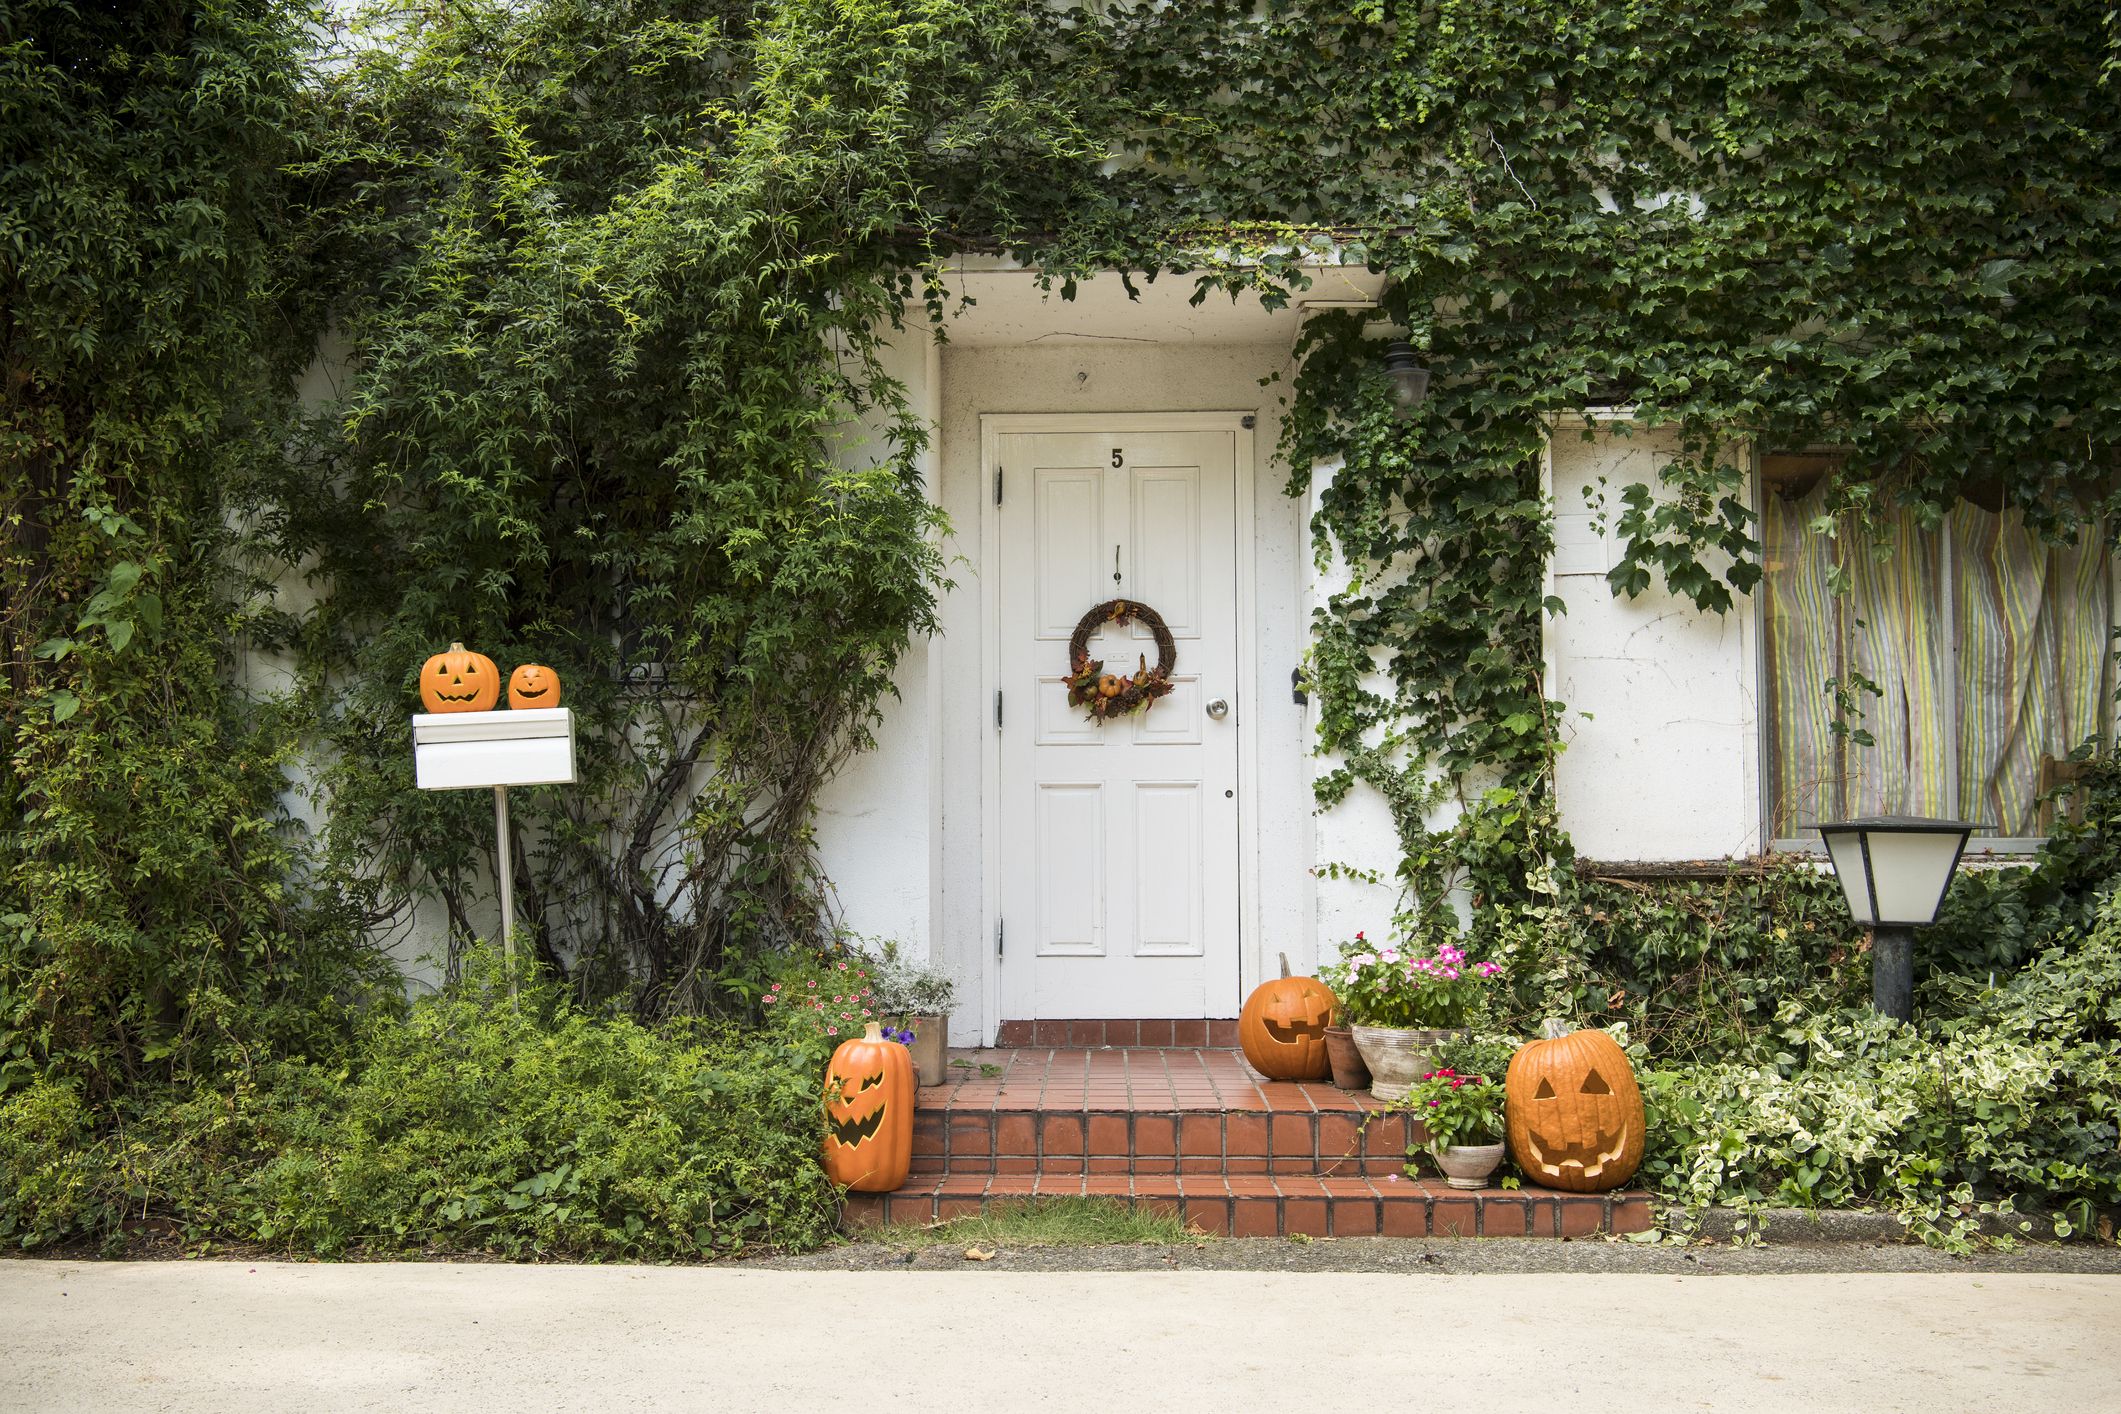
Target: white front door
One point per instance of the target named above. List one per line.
(1118, 839)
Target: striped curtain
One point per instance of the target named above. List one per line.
(1989, 650)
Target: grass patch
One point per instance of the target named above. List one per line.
(1048, 1222)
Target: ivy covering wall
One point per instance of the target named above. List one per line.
(603, 283)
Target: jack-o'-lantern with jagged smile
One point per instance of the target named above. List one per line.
(1283, 1027)
(459, 680)
(1575, 1112)
(869, 1113)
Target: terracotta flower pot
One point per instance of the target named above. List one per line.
(1467, 1165)
(1398, 1056)
(931, 1041)
(1349, 1073)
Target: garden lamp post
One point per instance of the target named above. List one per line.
(1894, 870)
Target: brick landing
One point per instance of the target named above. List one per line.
(1197, 1132)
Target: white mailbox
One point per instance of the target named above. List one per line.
(463, 750)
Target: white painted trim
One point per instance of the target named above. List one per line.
(993, 427)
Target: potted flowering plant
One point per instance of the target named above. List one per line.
(1402, 1005)
(919, 998)
(1463, 1115)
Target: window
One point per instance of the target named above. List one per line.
(1971, 661)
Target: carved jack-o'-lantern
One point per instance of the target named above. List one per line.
(460, 681)
(1283, 1027)
(533, 685)
(869, 1113)
(1575, 1112)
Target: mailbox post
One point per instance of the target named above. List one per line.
(469, 750)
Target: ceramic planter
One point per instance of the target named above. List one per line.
(1349, 1073)
(931, 1040)
(1467, 1165)
(1397, 1056)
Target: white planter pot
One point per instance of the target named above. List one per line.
(1398, 1057)
(1467, 1165)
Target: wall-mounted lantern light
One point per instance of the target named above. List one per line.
(1410, 381)
(1894, 870)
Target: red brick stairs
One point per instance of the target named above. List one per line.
(1194, 1131)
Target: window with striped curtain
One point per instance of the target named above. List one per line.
(1990, 651)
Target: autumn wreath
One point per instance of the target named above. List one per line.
(1113, 694)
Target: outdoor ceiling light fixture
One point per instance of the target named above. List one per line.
(1410, 381)
(1894, 870)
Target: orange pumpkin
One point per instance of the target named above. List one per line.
(533, 685)
(1283, 1027)
(869, 1113)
(460, 681)
(1574, 1111)
(1110, 686)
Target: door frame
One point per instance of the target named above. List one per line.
(1244, 472)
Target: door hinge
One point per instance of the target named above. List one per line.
(997, 486)
(1000, 949)
(997, 709)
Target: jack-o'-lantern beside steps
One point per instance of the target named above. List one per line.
(1575, 1116)
(1283, 1027)
(869, 1093)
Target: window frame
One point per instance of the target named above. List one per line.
(1815, 846)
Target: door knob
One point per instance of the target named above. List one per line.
(1218, 709)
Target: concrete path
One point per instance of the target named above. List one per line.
(232, 1337)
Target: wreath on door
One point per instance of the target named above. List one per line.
(1109, 695)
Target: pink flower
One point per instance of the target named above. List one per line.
(776, 986)
(867, 1012)
(834, 1031)
(1456, 1084)
(769, 999)
(1388, 956)
(843, 967)
(813, 984)
(1433, 1104)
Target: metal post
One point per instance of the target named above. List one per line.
(506, 859)
(1893, 972)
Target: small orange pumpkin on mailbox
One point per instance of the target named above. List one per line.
(1575, 1116)
(533, 685)
(869, 1113)
(459, 680)
(1283, 1027)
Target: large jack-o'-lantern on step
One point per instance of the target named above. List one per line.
(1575, 1112)
(869, 1113)
(1283, 1027)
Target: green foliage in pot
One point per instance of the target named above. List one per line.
(1457, 1109)
(1387, 987)
(904, 987)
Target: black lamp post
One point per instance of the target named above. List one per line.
(1410, 381)
(1894, 870)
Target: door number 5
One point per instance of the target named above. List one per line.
(1119, 458)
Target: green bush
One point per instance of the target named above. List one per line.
(2015, 1098)
(527, 1129)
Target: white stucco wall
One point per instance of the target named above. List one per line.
(878, 835)
(1662, 732)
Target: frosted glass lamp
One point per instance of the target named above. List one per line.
(1894, 870)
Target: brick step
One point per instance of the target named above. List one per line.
(1348, 1142)
(1132, 1034)
(1262, 1205)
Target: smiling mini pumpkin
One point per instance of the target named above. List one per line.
(1575, 1112)
(459, 680)
(533, 685)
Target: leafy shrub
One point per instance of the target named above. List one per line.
(527, 1129)
(2017, 1098)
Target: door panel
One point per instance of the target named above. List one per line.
(1118, 839)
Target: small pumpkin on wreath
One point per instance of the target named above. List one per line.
(1109, 695)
